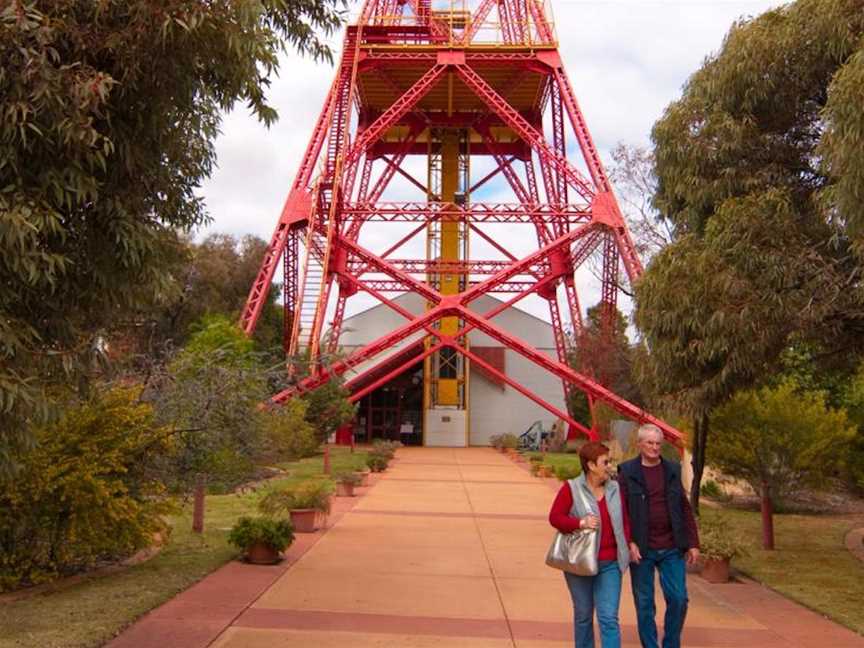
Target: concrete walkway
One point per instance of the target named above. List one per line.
(446, 550)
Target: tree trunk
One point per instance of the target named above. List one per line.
(767, 518)
(700, 439)
(198, 506)
(326, 457)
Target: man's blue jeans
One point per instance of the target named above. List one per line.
(673, 582)
(603, 592)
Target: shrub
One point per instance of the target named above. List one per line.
(348, 478)
(385, 448)
(329, 408)
(712, 489)
(287, 433)
(276, 534)
(209, 395)
(377, 462)
(509, 441)
(497, 441)
(86, 492)
(566, 472)
(779, 437)
(717, 541)
(305, 495)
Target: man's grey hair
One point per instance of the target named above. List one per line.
(648, 428)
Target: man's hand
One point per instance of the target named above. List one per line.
(635, 554)
(692, 555)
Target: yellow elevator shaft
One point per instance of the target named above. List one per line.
(447, 245)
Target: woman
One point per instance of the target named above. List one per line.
(609, 517)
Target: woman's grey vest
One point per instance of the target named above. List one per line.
(613, 503)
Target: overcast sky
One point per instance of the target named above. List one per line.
(626, 59)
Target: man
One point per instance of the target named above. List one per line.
(664, 534)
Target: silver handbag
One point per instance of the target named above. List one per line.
(575, 553)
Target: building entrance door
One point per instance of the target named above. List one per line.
(394, 411)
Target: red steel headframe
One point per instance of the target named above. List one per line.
(407, 68)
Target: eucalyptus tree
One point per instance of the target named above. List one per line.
(760, 168)
(108, 114)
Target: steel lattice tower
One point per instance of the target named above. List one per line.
(451, 81)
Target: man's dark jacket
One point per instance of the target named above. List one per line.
(633, 482)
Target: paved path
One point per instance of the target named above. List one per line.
(446, 550)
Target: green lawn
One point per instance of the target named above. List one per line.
(89, 613)
(810, 564)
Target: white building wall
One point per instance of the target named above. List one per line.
(492, 410)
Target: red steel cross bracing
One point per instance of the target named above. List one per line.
(410, 70)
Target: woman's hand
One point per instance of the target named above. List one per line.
(589, 522)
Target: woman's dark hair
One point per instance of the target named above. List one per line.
(591, 451)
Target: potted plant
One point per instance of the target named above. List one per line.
(386, 449)
(497, 442)
(305, 503)
(261, 539)
(545, 471)
(363, 475)
(345, 483)
(718, 547)
(377, 462)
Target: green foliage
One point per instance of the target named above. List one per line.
(377, 462)
(564, 472)
(781, 437)
(276, 534)
(348, 478)
(218, 334)
(718, 540)
(755, 167)
(497, 441)
(86, 491)
(209, 396)
(509, 441)
(713, 490)
(578, 406)
(212, 278)
(108, 115)
(385, 448)
(314, 494)
(329, 408)
(853, 402)
(287, 433)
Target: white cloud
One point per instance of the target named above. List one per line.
(626, 59)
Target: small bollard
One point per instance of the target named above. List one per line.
(198, 506)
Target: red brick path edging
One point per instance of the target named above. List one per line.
(196, 616)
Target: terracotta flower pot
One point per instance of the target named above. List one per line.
(262, 554)
(365, 475)
(344, 490)
(715, 571)
(303, 520)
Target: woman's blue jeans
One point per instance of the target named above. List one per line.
(602, 592)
